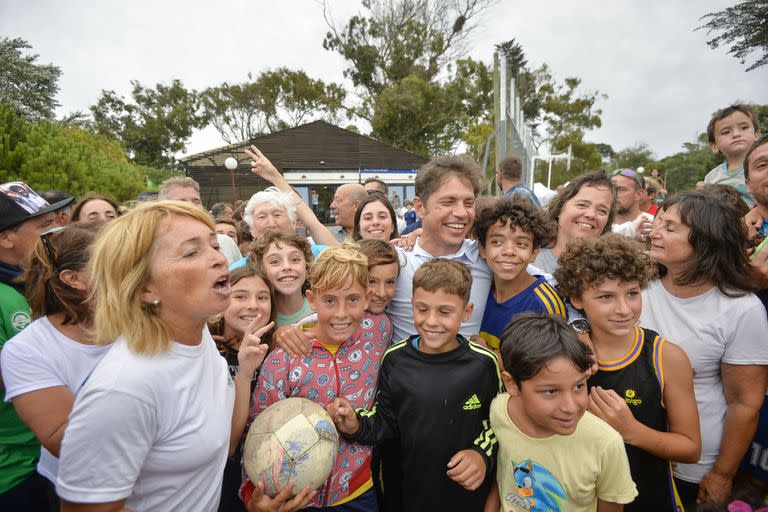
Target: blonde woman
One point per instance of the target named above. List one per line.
(152, 426)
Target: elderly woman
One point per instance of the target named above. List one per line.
(152, 426)
(279, 207)
(46, 363)
(703, 302)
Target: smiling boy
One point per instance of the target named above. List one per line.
(433, 397)
(510, 233)
(731, 132)
(344, 361)
(553, 454)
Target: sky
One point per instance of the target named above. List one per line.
(661, 79)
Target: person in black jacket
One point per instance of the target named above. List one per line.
(430, 416)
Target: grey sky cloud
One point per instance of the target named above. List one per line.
(661, 79)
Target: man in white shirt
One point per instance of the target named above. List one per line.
(446, 189)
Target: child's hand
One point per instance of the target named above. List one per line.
(467, 468)
(252, 351)
(293, 340)
(283, 502)
(343, 415)
(611, 408)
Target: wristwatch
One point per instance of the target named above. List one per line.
(580, 325)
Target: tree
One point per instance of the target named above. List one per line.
(27, 87)
(154, 126)
(633, 157)
(276, 100)
(50, 155)
(411, 51)
(683, 170)
(744, 28)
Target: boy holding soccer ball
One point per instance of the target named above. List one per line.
(344, 362)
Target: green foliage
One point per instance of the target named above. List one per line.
(405, 59)
(154, 126)
(682, 170)
(274, 101)
(430, 118)
(49, 155)
(27, 87)
(640, 155)
(744, 27)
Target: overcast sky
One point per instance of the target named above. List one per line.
(662, 80)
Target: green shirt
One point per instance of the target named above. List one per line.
(19, 449)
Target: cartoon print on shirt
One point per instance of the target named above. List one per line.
(537, 488)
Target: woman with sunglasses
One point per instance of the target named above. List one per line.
(45, 364)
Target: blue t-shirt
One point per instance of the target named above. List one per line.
(521, 190)
(539, 297)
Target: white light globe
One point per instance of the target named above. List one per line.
(230, 163)
(640, 170)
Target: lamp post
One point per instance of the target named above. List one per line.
(231, 164)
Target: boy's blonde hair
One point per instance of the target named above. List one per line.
(120, 265)
(440, 274)
(335, 265)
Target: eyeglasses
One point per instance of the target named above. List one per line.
(633, 175)
(49, 251)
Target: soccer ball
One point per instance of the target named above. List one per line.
(293, 440)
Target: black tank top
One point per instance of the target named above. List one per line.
(638, 378)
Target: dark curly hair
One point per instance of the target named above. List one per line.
(587, 262)
(515, 212)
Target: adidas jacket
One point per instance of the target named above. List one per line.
(428, 407)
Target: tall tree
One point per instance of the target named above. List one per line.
(28, 87)
(275, 100)
(405, 59)
(154, 125)
(744, 27)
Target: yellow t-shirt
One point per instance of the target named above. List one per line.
(567, 473)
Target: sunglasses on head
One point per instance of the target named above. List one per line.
(633, 175)
(49, 251)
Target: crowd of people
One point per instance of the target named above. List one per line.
(606, 351)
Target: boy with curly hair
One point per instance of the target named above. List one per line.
(644, 384)
(510, 232)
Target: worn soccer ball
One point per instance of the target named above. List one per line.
(293, 440)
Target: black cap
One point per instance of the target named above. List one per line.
(57, 196)
(19, 203)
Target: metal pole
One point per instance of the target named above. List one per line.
(549, 174)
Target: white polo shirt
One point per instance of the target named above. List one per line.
(400, 310)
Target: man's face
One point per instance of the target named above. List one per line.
(375, 186)
(758, 175)
(21, 241)
(343, 207)
(627, 194)
(187, 194)
(448, 213)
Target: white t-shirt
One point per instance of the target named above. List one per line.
(711, 328)
(229, 248)
(41, 357)
(152, 429)
(400, 310)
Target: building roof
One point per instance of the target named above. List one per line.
(313, 146)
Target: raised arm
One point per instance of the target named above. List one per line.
(261, 166)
